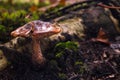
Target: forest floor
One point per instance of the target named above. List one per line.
(68, 60)
(91, 61)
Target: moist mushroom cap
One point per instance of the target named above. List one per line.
(43, 29)
(36, 28)
(23, 31)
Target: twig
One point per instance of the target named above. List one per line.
(106, 6)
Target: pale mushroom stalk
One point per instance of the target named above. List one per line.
(37, 55)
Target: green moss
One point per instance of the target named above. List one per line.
(78, 63)
(62, 76)
(2, 29)
(13, 17)
(53, 63)
(81, 67)
(67, 45)
(62, 46)
(60, 54)
(72, 45)
(10, 19)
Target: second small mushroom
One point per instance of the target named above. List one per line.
(37, 30)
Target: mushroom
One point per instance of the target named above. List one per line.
(37, 30)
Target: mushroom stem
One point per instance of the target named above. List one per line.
(37, 56)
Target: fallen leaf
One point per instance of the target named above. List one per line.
(102, 37)
(33, 8)
(53, 1)
(62, 2)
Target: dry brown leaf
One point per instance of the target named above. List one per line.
(33, 8)
(102, 37)
(62, 2)
(53, 1)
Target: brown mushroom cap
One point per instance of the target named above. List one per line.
(23, 31)
(43, 29)
(36, 28)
